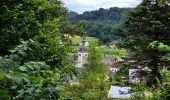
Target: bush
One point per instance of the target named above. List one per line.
(4, 95)
(137, 92)
(122, 72)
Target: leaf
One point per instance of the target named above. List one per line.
(18, 81)
(38, 91)
(30, 66)
(25, 77)
(30, 90)
(10, 76)
(22, 53)
(14, 87)
(37, 67)
(23, 68)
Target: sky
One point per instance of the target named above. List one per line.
(87, 5)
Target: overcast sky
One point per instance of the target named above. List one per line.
(88, 5)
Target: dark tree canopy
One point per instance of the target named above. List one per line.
(23, 19)
(146, 23)
(101, 23)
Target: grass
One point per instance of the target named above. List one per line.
(77, 39)
(113, 50)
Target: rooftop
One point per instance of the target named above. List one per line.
(118, 92)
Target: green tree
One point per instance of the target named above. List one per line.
(91, 80)
(94, 64)
(107, 21)
(35, 68)
(23, 19)
(161, 47)
(73, 29)
(163, 90)
(27, 80)
(146, 23)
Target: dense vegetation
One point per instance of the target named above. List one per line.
(103, 23)
(38, 50)
(35, 48)
(144, 24)
(91, 83)
(23, 19)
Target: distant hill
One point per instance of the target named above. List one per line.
(103, 23)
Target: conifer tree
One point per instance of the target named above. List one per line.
(148, 22)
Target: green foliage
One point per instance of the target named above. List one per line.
(51, 49)
(16, 56)
(91, 84)
(122, 72)
(137, 92)
(163, 90)
(36, 80)
(112, 50)
(2, 75)
(161, 47)
(4, 95)
(94, 64)
(27, 81)
(145, 24)
(73, 29)
(30, 80)
(48, 48)
(35, 68)
(24, 19)
(77, 39)
(103, 23)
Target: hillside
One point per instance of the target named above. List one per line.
(103, 23)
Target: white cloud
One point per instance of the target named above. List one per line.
(87, 5)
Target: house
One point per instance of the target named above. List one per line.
(133, 76)
(127, 58)
(109, 60)
(118, 92)
(138, 75)
(112, 72)
(117, 64)
(113, 65)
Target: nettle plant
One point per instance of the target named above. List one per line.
(26, 79)
(34, 80)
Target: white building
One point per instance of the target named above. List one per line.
(82, 59)
(82, 54)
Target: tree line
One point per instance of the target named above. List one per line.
(104, 24)
(35, 47)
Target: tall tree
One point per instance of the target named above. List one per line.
(23, 19)
(146, 23)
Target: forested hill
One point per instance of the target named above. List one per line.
(102, 23)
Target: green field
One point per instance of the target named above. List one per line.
(113, 50)
(77, 39)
